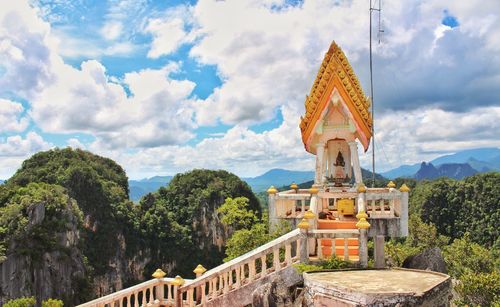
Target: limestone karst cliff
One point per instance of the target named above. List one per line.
(68, 229)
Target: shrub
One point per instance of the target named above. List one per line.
(302, 267)
(21, 302)
(464, 256)
(479, 289)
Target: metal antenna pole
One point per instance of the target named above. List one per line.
(371, 95)
(371, 80)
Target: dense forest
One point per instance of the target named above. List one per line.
(68, 229)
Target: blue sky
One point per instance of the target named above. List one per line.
(166, 86)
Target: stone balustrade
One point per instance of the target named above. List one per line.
(379, 202)
(252, 266)
(155, 292)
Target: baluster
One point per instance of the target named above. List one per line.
(144, 298)
(303, 209)
(243, 277)
(175, 294)
(230, 275)
(276, 259)
(190, 294)
(151, 295)
(382, 206)
(238, 277)
(120, 304)
(373, 203)
(346, 250)
(210, 287)
(136, 299)
(297, 250)
(251, 270)
(203, 297)
(169, 293)
(391, 206)
(264, 268)
(320, 249)
(128, 300)
(226, 282)
(213, 294)
(288, 254)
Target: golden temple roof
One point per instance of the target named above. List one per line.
(335, 72)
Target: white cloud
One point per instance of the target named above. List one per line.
(75, 143)
(15, 149)
(11, 116)
(169, 31)
(410, 137)
(112, 30)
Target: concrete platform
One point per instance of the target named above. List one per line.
(387, 287)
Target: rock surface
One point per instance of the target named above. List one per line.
(430, 259)
(276, 293)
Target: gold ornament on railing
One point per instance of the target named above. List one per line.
(362, 223)
(304, 224)
(159, 274)
(199, 270)
(404, 188)
(309, 215)
(391, 184)
(313, 190)
(178, 281)
(294, 186)
(272, 190)
(361, 188)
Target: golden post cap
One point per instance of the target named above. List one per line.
(159, 274)
(272, 190)
(404, 188)
(199, 269)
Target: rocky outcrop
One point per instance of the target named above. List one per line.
(56, 272)
(277, 293)
(430, 259)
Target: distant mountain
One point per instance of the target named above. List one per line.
(480, 154)
(402, 171)
(451, 170)
(278, 177)
(139, 188)
(480, 159)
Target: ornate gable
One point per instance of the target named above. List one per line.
(336, 73)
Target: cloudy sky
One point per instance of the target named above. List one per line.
(166, 86)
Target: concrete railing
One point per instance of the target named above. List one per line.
(242, 270)
(292, 204)
(383, 203)
(155, 292)
(253, 266)
(379, 202)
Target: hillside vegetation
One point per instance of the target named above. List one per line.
(66, 222)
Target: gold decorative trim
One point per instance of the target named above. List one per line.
(335, 64)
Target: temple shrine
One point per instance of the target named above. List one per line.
(335, 217)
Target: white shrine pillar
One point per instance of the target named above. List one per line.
(320, 150)
(353, 146)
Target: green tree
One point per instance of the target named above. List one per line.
(178, 220)
(464, 256)
(235, 213)
(479, 289)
